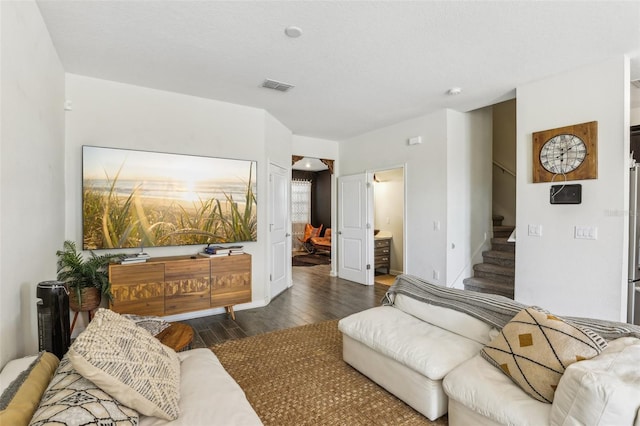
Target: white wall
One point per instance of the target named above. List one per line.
(448, 186)
(111, 114)
(278, 150)
(556, 271)
(425, 178)
(469, 138)
(635, 117)
(31, 172)
(314, 147)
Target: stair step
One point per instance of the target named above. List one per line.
(501, 244)
(494, 272)
(502, 231)
(482, 285)
(497, 219)
(501, 258)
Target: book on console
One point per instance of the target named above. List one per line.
(203, 254)
(128, 261)
(216, 250)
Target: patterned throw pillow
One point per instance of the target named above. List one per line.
(153, 325)
(72, 400)
(130, 364)
(535, 348)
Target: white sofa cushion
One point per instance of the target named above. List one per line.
(482, 388)
(449, 319)
(603, 390)
(208, 395)
(423, 347)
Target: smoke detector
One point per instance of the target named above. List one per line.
(277, 85)
(293, 31)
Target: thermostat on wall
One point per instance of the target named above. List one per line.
(566, 194)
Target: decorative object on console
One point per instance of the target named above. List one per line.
(570, 151)
(133, 198)
(536, 347)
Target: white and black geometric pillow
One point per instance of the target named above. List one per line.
(73, 400)
(536, 347)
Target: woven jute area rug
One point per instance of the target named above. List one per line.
(297, 377)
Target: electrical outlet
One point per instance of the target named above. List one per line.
(585, 233)
(436, 275)
(535, 230)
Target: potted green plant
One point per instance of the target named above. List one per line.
(87, 280)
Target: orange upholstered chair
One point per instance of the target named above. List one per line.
(309, 233)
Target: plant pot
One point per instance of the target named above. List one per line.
(90, 299)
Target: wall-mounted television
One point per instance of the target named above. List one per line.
(136, 198)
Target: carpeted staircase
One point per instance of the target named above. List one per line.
(497, 273)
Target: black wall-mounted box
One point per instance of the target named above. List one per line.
(566, 194)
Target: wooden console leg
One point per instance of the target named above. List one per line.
(229, 310)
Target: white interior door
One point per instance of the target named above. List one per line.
(354, 223)
(279, 234)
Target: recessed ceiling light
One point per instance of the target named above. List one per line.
(454, 91)
(308, 165)
(293, 32)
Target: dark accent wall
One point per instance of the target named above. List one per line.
(320, 196)
(321, 199)
(635, 142)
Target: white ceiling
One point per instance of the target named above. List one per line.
(358, 66)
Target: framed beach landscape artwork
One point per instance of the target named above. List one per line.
(136, 198)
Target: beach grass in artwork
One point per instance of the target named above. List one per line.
(137, 198)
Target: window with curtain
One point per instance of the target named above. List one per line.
(300, 208)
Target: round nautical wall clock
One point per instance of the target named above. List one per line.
(566, 153)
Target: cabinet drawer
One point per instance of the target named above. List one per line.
(138, 298)
(137, 289)
(230, 280)
(382, 243)
(136, 274)
(186, 269)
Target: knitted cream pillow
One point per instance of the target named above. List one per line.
(535, 348)
(128, 363)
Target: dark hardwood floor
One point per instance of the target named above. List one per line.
(314, 297)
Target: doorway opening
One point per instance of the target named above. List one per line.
(311, 211)
(388, 224)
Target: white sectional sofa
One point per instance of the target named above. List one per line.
(424, 346)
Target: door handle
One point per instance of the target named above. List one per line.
(287, 234)
(339, 232)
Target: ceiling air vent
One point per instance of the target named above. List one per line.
(636, 83)
(277, 85)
